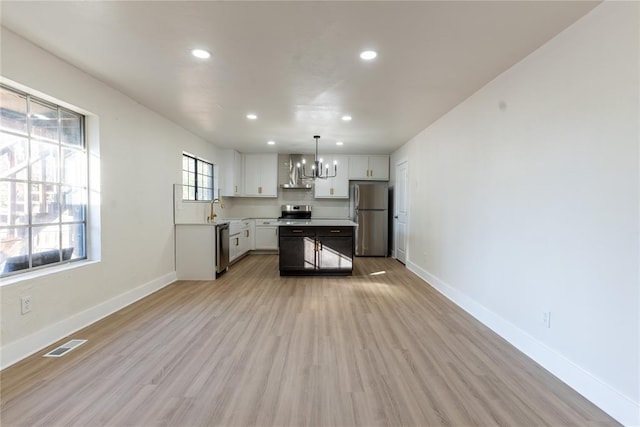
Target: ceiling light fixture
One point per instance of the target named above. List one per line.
(251, 116)
(368, 55)
(271, 142)
(346, 118)
(318, 170)
(339, 143)
(201, 53)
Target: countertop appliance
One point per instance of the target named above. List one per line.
(294, 212)
(369, 202)
(222, 247)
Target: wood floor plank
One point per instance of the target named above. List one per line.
(378, 348)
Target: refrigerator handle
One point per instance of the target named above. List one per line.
(357, 190)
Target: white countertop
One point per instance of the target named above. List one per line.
(325, 222)
(320, 222)
(213, 224)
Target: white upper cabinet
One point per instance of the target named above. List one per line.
(232, 177)
(358, 167)
(261, 175)
(334, 188)
(369, 168)
(379, 167)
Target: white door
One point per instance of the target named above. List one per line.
(400, 217)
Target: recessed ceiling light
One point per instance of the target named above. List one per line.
(271, 142)
(346, 118)
(368, 55)
(201, 53)
(251, 116)
(339, 143)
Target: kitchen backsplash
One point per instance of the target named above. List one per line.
(189, 212)
(255, 207)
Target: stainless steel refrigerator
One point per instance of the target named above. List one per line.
(370, 207)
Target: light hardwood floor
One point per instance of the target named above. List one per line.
(378, 348)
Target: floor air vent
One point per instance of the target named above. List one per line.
(65, 348)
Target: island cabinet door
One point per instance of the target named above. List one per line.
(297, 249)
(335, 248)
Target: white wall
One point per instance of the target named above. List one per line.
(524, 199)
(141, 155)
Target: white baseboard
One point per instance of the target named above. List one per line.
(20, 349)
(610, 400)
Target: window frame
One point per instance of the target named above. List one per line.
(196, 174)
(60, 183)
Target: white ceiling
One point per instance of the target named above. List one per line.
(295, 64)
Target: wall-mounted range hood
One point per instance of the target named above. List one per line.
(295, 180)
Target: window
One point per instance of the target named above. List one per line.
(197, 178)
(43, 183)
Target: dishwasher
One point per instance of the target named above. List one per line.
(222, 247)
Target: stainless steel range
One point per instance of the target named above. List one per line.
(295, 212)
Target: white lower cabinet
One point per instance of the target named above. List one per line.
(234, 247)
(239, 238)
(195, 251)
(266, 237)
(245, 241)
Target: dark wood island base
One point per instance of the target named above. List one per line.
(315, 249)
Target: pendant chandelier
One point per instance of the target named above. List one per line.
(318, 169)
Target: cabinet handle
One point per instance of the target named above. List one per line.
(235, 189)
(335, 231)
(259, 190)
(331, 191)
(247, 232)
(297, 231)
(237, 241)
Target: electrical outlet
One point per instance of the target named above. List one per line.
(546, 319)
(26, 304)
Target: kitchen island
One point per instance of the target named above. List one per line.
(316, 247)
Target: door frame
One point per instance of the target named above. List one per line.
(400, 161)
